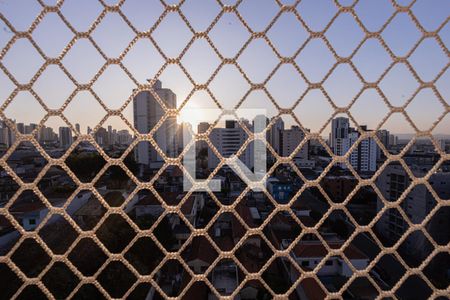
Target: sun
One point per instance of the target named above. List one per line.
(196, 115)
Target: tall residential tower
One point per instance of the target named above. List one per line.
(147, 112)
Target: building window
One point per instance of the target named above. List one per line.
(305, 263)
(329, 263)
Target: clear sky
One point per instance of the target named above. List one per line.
(229, 35)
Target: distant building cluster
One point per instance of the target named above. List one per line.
(7, 137)
(342, 137)
(64, 137)
(110, 137)
(227, 139)
(231, 136)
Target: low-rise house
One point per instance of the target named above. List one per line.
(309, 254)
(200, 256)
(30, 214)
(148, 205)
(86, 210)
(335, 270)
(225, 279)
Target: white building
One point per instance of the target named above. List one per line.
(364, 157)
(228, 141)
(339, 142)
(147, 113)
(308, 254)
(342, 137)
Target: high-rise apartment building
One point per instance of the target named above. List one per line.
(383, 136)
(339, 141)
(124, 137)
(65, 137)
(443, 144)
(29, 128)
(183, 131)
(419, 202)
(291, 139)
(275, 136)
(110, 135)
(46, 135)
(102, 137)
(363, 158)
(7, 136)
(202, 127)
(393, 140)
(21, 127)
(147, 112)
(228, 141)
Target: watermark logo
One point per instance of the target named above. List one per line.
(226, 137)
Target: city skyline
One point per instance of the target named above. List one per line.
(84, 129)
(194, 118)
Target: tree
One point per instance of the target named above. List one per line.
(85, 166)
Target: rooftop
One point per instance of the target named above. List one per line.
(312, 249)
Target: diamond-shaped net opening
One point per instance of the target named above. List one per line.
(99, 184)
